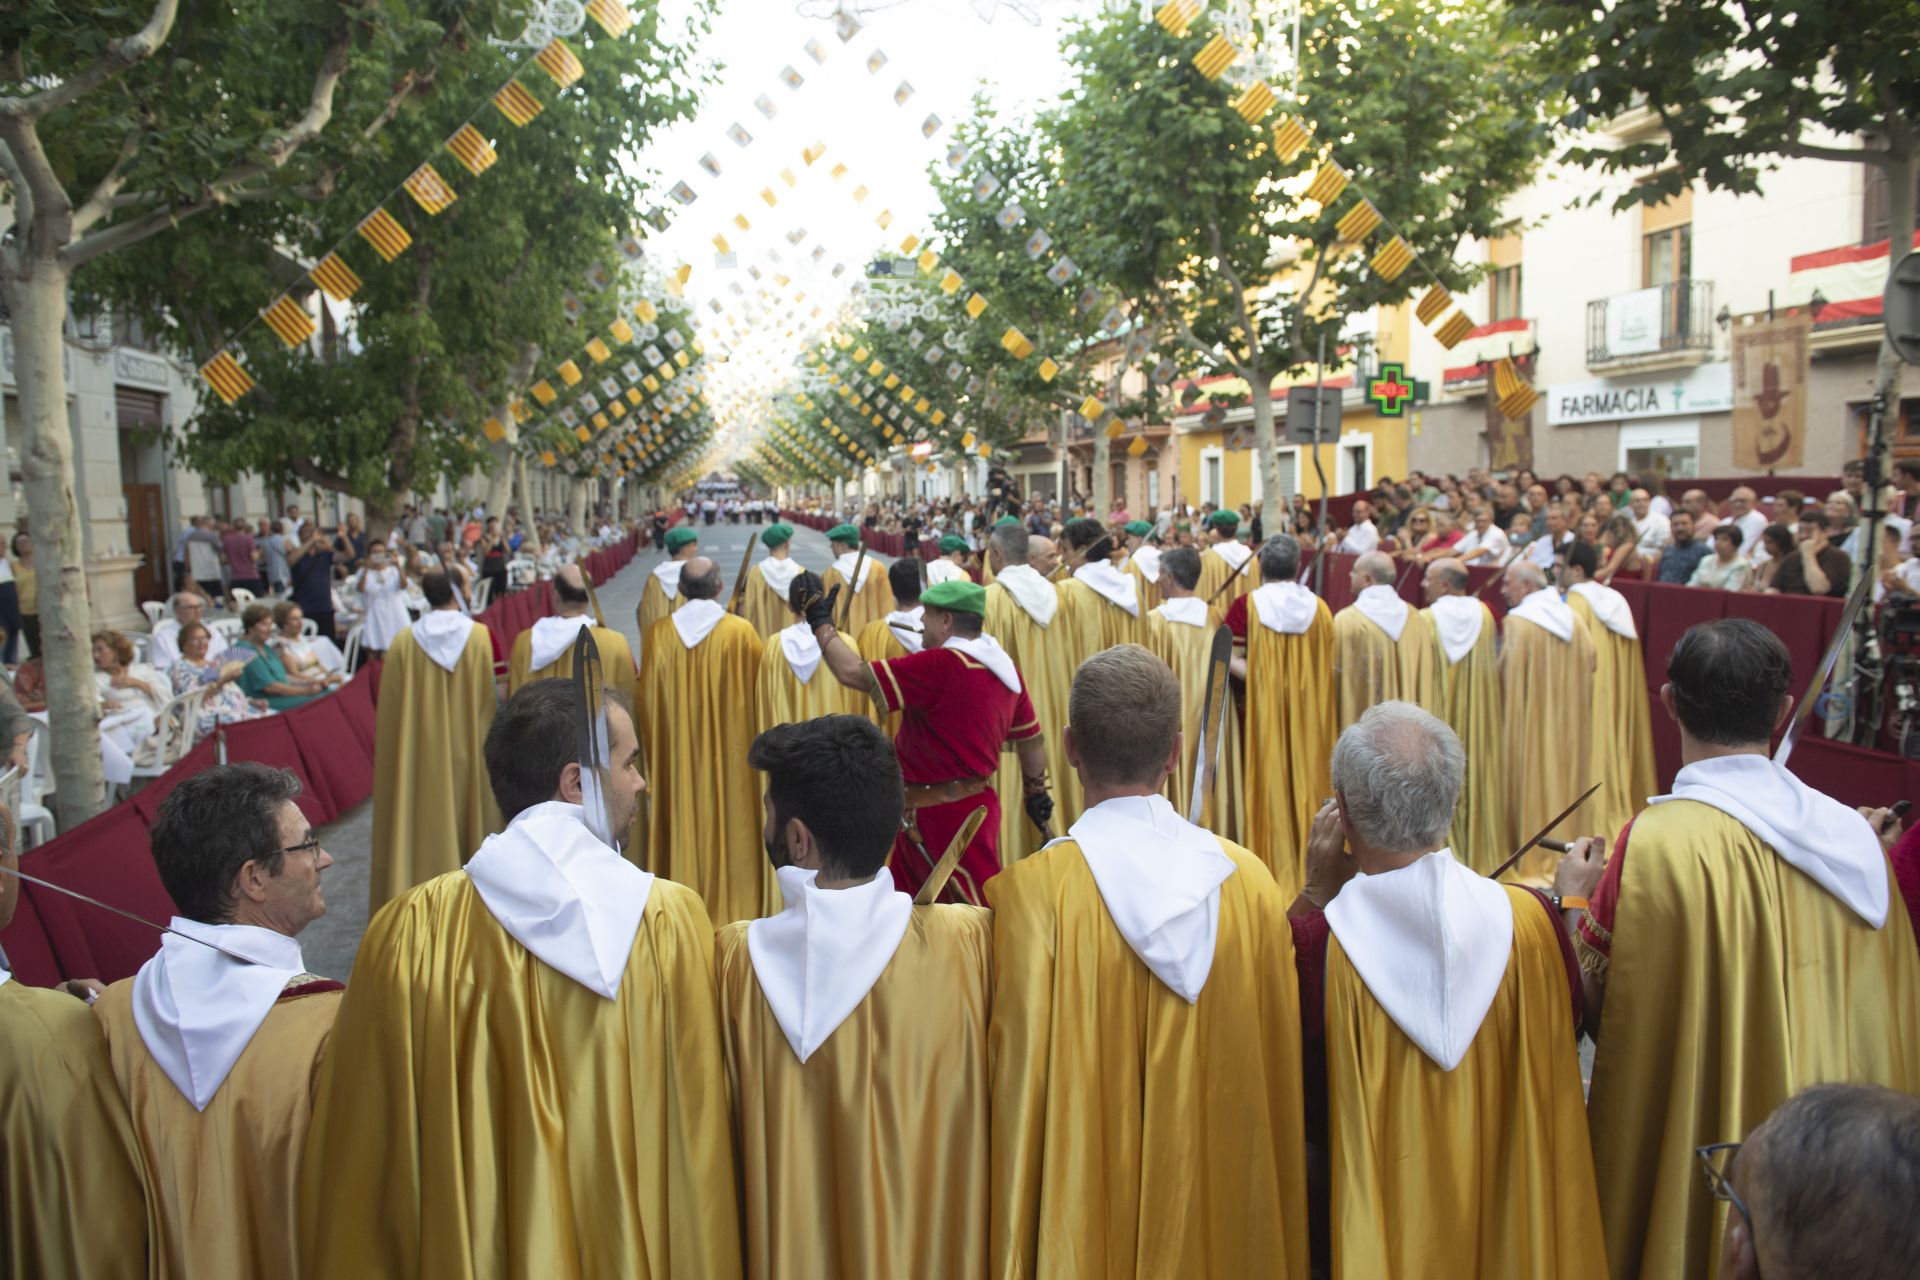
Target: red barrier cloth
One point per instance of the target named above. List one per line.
(270, 741)
(146, 801)
(336, 760)
(356, 700)
(107, 858)
(29, 951)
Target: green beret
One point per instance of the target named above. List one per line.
(1228, 520)
(1004, 521)
(777, 535)
(956, 597)
(1138, 528)
(679, 536)
(952, 543)
(844, 533)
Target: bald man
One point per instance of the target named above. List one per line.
(546, 648)
(1741, 510)
(1704, 514)
(1376, 655)
(1044, 555)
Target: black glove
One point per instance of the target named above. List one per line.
(1040, 809)
(819, 608)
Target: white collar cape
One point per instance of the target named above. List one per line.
(945, 570)
(1147, 559)
(817, 960)
(1815, 833)
(1546, 610)
(442, 635)
(1160, 877)
(668, 572)
(1120, 588)
(5, 976)
(900, 619)
(1381, 605)
(197, 1009)
(563, 894)
(845, 565)
(779, 574)
(696, 619)
(1234, 553)
(1030, 591)
(551, 637)
(801, 650)
(1189, 610)
(1286, 607)
(1457, 620)
(1431, 942)
(1609, 606)
(986, 651)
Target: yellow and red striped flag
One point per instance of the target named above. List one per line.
(228, 380)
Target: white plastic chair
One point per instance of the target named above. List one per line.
(482, 592)
(155, 610)
(353, 647)
(228, 629)
(33, 818)
(309, 628)
(142, 644)
(241, 596)
(522, 571)
(174, 731)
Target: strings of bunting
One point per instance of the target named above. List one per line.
(470, 147)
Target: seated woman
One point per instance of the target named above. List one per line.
(1417, 530)
(306, 657)
(266, 676)
(124, 684)
(198, 667)
(1620, 552)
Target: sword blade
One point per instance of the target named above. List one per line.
(1213, 708)
(1856, 601)
(941, 872)
(740, 579)
(853, 586)
(104, 906)
(1540, 835)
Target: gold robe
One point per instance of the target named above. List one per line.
(760, 604)
(616, 663)
(224, 1181)
(1214, 574)
(432, 802)
(1186, 649)
(1547, 697)
(1622, 725)
(872, 603)
(1149, 1137)
(1466, 694)
(1094, 622)
(877, 644)
(483, 1114)
(1370, 665)
(870, 1158)
(783, 699)
(71, 1174)
(1150, 597)
(697, 717)
(1735, 981)
(656, 604)
(1288, 746)
(1046, 662)
(1483, 1170)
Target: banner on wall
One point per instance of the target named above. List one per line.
(1769, 359)
(1633, 322)
(1509, 440)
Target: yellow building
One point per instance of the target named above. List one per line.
(1217, 461)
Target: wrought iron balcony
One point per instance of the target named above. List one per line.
(1651, 326)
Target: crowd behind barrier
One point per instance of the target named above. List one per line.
(327, 744)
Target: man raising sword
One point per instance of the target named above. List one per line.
(962, 697)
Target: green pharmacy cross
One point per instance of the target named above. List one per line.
(1392, 391)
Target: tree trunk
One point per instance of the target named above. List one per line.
(577, 507)
(1265, 455)
(38, 301)
(1900, 181)
(531, 547)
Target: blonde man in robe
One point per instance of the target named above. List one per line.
(764, 601)
(1447, 1010)
(545, 650)
(1748, 938)
(1099, 604)
(1134, 969)
(1022, 609)
(872, 600)
(1459, 681)
(793, 688)
(524, 1080)
(829, 1006)
(1283, 646)
(69, 1163)
(951, 564)
(1622, 722)
(431, 802)
(217, 1051)
(1142, 560)
(1177, 634)
(1375, 650)
(697, 714)
(1546, 685)
(661, 594)
(1221, 563)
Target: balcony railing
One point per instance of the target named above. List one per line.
(1667, 319)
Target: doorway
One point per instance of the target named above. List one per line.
(147, 538)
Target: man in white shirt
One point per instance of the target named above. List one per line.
(163, 649)
(1740, 504)
(1655, 530)
(1485, 543)
(1361, 537)
(1542, 550)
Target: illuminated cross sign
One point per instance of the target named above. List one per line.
(1391, 392)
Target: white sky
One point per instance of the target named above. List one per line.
(942, 48)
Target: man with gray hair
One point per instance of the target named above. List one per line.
(1446, 1007)
(1283, 647)
(1376, 655)
(163, 648)
(1021, 610)
(1547, 662)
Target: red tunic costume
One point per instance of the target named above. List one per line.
(955, 716)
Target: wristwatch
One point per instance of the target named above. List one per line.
(1568, 903)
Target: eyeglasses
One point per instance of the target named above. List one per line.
(1716, 1161)
(310, 845)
